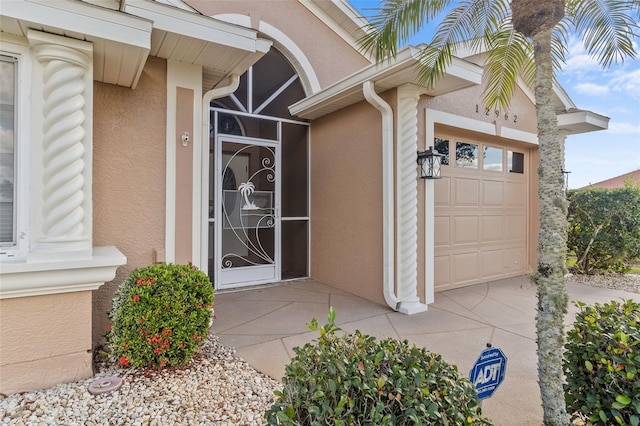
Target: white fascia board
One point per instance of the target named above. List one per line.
(388, 72)
(173, 20)
(563, 96)
(582, 121)
(82, 18)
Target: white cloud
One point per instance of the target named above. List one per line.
(624, 128)
(627, 82)
(591, 89)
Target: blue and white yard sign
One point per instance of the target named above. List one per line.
(488, 372)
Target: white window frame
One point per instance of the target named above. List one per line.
(22, 154)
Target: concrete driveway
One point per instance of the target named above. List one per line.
(265, 324)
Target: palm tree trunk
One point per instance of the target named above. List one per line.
(552, 240)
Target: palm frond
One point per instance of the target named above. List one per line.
(510, 56)
(395, 22)
(469, 24)
(607, 28)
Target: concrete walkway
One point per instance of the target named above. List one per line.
(265, 324)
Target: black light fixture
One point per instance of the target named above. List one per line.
(430, 161)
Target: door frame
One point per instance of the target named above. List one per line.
(246, 275)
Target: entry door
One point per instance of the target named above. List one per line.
(248, 205)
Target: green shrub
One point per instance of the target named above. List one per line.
(355, 380)
(160, 316)
(604, 228)
(602, 361)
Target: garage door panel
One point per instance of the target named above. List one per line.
(465, 229)
(516, 227)
(492, 228)
(515, 194)
(442, 195)
(442, 265)
(491, 263)
(466, 192)
(465, 267)
(492, 193)
(515, 260)
(442, 231)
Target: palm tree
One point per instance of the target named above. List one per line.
(526, 39)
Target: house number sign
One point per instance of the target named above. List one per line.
(496, 113)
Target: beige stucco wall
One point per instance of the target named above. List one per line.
(346, 200)
(468, 102)
(330, 56)
(45, 340)
(129, 176)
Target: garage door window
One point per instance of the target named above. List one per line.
(466, 155)
(442, 146)
(515, 162)
(492, 159)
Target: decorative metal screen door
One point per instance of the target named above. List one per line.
(248, 200)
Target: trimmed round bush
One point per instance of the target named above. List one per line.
(355, 380)
(602, 362)
(160, 316)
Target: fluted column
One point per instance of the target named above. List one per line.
(65, 223)
(407, 200)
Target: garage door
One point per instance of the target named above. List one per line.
(480, 213)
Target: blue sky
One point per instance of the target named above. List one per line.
(614, 93)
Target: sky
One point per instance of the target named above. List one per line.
(614, 93)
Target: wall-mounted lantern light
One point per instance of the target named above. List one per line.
(430, 161)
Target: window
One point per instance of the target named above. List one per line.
(8, 210)
(15, 120)
(466, 155)
(492, 159)
(442, 146)
(515, 162)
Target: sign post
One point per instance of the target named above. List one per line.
(488, 371)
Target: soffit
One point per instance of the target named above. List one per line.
(122, 41)
(576, 121)
(222, 49)
(385, 75)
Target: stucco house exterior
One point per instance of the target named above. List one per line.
(253, 139)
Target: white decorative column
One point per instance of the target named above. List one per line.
(62, 206)
(407, 201)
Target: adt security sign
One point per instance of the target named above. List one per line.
(488, 372)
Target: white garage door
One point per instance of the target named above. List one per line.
(480, 213)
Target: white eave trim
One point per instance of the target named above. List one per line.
(581, 121)
(386, 75)
(177, 21)
(22, 279)
(82, 18)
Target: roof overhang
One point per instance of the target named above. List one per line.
(580, 121)
(402, 69)
(122, 42)
(221, 48)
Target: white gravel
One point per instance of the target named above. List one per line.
(626, 282)
(215, 388)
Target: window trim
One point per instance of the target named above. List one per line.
(22, 152)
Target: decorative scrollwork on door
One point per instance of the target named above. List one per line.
(248, 210)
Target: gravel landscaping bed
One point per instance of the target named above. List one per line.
(626, 282)
(215, 388)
